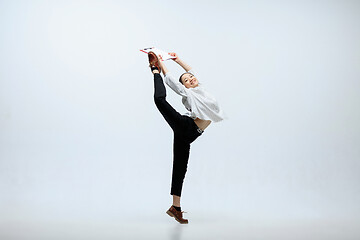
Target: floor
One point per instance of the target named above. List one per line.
(167, 228)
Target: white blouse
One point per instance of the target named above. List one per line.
(196, 100)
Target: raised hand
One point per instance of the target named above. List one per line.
(174, 55)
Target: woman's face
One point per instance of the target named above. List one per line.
(189, 80)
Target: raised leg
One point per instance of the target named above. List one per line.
(172, 117)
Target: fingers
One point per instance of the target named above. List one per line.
(173, 55)
(160, 57)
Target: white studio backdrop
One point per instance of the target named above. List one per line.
(80, 135)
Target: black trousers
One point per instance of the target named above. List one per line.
(185, 132)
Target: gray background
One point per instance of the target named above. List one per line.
(84, 152)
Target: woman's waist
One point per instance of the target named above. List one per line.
(202, 124)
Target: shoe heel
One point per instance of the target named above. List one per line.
(170, 213)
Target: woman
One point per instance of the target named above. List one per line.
(203, 109)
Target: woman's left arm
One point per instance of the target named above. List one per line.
(184, 65)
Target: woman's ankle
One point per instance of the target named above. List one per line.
(178, 208)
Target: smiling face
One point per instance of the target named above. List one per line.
(189, 80)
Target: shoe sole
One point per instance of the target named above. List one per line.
(172, 215)
(157, 62)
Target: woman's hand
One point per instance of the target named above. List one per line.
(174, 55)
(180, 62)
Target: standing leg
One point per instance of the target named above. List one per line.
(181, 158)
(181, 153)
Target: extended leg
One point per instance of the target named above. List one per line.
(172, 117)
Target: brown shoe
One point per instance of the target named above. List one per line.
(154, 61)
(172, 212)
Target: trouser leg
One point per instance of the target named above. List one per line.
(181, 152)
(172, 117)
